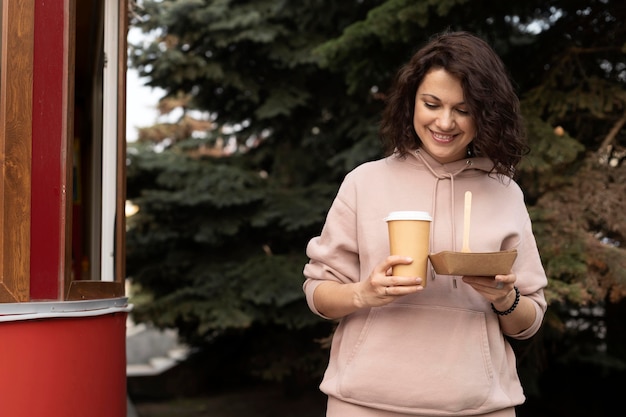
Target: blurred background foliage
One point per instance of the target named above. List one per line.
(277, 100)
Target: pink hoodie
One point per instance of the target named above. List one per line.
(440, 352)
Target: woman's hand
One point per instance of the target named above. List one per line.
(497, 290)
(335, 300)
(500, 291)
(381, 287)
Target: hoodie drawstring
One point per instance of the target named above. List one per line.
(438, 178)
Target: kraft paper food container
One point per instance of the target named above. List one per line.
(473, 263)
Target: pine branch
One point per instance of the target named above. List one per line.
(604, 149)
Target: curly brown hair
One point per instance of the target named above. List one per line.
(488, 93)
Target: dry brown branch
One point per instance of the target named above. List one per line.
(606, 143)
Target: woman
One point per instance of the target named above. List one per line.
(452, 124)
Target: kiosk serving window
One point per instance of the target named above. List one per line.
(98, 149)
(62, 149)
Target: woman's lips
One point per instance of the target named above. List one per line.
(440, 137)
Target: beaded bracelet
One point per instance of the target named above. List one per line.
(510, 310)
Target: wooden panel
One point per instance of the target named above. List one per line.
(120, 223)
(69, 144)
(15, 149)
(91, 290)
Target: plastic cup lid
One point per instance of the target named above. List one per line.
(409, 215)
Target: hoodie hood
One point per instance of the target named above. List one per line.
(452, 169)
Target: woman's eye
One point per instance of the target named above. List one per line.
(463, 111)
(430, 105)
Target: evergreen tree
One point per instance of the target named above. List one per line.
(291, 95)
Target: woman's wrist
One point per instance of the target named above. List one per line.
(501, 309)
(358, 300)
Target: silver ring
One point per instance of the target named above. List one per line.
(499, 285)
(386, 288)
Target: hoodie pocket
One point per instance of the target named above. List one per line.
(410, 358)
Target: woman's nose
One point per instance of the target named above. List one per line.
(445, 121)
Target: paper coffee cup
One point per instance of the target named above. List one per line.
(409, 235)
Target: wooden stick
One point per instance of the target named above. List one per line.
(466, 221)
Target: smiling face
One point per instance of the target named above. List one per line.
(441, 118)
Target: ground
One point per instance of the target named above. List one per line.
(258, 401)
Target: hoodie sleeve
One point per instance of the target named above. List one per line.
(333, 256)
(531, 278)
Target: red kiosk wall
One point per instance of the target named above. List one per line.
(64, 367)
